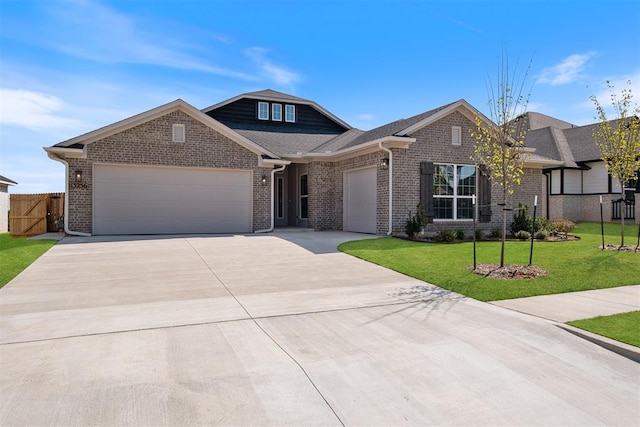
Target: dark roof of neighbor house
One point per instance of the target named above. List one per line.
(7, 181)
(560, 140)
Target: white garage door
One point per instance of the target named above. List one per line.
(360, 192)
(165, 200)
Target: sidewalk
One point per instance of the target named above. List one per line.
(563, 308)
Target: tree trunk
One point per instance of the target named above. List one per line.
(504, 225)
(623, 210)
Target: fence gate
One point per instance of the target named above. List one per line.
(33, 214)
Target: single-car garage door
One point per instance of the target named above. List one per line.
(168, 200)
(360, 193)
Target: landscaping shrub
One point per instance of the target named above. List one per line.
(521, 220)
(479, 234)
(460, 234)
(563, 227)
(496, 233)
(415, 223)
(541, 234)
(523, 235)
(445, 236)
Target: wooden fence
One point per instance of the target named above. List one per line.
(33, 214)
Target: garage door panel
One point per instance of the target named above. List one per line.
(163, 200)
(360, 205)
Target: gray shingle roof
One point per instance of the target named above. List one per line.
(283, 144)
(274, 94)
(393, 128)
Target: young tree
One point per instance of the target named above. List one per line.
(619, 139)
(499, 147)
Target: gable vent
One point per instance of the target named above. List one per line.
(178, 134)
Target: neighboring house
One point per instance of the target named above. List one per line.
(265, 159)
(573, 188)
(4, 203)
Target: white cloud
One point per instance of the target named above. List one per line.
(90, 30)
(568, 71)
(33, 110)
(271, 71)
(366, 117)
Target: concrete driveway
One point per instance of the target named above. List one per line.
(281, 329)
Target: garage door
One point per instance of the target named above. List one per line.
(165, 200)
(360, 193)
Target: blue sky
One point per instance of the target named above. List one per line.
(69, 67)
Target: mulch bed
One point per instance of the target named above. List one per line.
(625, 248)
(508, 271)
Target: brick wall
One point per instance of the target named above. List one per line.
(151, 143)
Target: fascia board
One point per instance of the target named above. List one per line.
(71, 153)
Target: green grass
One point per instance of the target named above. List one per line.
(17, 253)
(572, 265)
(624, 327)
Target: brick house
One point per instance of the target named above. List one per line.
(574, 186)
(267, 159)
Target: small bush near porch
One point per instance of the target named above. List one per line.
(577, 265)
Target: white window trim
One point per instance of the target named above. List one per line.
(286, 118)
(456, 135)
(260, 104)
(178, 133)
(455, 196)
(273, 112)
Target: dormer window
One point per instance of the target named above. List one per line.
(290, 113)
(263, 110)
(276, 112)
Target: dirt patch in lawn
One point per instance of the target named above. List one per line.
(509, 271)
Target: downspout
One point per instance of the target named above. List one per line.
(66, 198)
(390, 187)
(270, 229)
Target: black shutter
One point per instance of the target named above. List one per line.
(484, 194)
(426, 190)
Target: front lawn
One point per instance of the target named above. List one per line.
(572, 265)
(17, 253)
(624, 327)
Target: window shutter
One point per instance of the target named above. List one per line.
(484, 194)
(426, 189)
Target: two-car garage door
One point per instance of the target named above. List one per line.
(168, 200)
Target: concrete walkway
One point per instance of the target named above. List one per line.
(281, 330)
(578, 305)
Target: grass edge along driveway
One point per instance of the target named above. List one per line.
(572, 265)
(621, 327)
(18, 253)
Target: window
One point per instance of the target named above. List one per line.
(263, 110)
(290, 113)
(304, 197)
(177, 133)
(453, 188)
(456, 135)
(276, 112)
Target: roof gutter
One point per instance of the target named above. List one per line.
(390, 186)
(273, 224)
(55, 157)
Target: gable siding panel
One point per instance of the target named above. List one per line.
(242, 114)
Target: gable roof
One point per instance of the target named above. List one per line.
(273, 95)
(6, 181)
(79, 142)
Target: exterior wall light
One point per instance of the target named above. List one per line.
(78, 176)
(77, 180)
(384, 164)
(264, 179)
